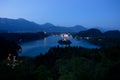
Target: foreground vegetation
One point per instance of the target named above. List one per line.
(69, 63)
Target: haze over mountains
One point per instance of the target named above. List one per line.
(22, 25)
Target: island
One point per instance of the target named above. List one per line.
(64, 42)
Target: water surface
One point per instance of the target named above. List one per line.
(37, 47)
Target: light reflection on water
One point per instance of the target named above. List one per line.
(34, 48)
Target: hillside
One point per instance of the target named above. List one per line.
(95, 36)
(89, 33)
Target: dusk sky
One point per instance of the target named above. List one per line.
(89, 13)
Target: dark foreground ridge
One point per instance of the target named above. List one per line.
(68, 63)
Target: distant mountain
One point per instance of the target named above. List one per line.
(16, 25)
(52, 28)
(23, 25)
(47, 25)
(104, 29)
(3, 31)
(78, 28)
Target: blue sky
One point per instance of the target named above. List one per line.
(89, 13)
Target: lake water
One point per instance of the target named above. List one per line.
(37, 47)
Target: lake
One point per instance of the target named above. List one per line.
(37, 47)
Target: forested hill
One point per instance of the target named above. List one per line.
(23, 37)
(96, 36)
(89, 33)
